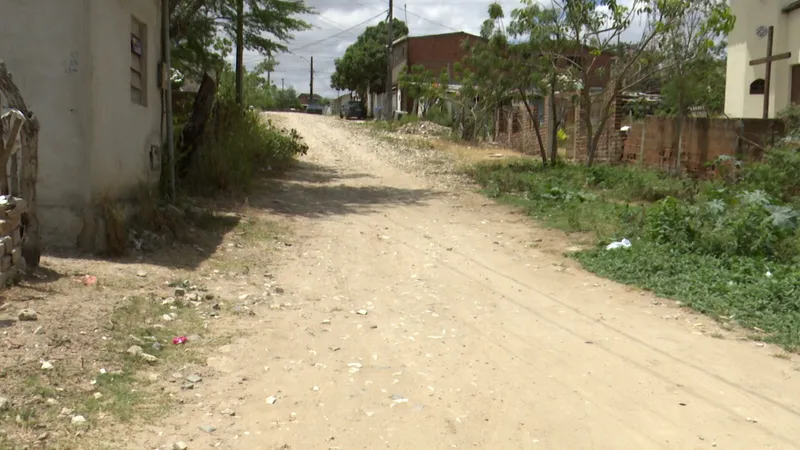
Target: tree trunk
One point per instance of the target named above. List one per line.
(31, 245)
(191, 137)
(536, 128)
(240, 52)
(552, 124)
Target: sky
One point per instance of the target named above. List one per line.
(339, 22)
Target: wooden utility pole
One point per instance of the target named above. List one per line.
(311, 82)
(239, 52)
(388, 104)
(768, 61)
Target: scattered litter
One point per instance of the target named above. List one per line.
(87, 280)
(271, 400)
(47, 365)
(362, 312)
(619, 244)
(768, 275)
(179, 340)
(751, 420)
(399, 399)
(141, 274)
(166, 318)
(147, 357)
(315, 388)
(132, 350)
(326, 322)
(227, 412)
(207, 428)
(97, 395)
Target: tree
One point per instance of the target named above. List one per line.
(690, 52)
(363, 65)
(204, 31)
(596, 25)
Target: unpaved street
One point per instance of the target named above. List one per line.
(471, 335)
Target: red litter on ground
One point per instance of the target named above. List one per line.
(179, 340)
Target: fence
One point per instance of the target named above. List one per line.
(655, 141)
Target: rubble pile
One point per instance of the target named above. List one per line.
(424, 128)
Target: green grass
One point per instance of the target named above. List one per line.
(709, 244)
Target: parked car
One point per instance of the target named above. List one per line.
(314, 109)
(353, 110)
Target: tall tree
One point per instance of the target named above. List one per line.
(363, 65)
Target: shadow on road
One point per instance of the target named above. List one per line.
(309, 191)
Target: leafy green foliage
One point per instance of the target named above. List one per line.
(363, 65)
(240, 146)
(203, 30)
(728, 249)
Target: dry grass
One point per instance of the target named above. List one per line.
(84, 330)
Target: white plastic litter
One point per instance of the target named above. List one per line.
(619, 244)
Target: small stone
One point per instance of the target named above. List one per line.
(180, 292)
(47, 365)
(4, 402)
(193, 338)
(134, 350)
(141, 274)
(279, 290)
(187, 386)
(28, 315)
(66, 412)
(180, 445)
(147, 357)
(166, 318)
(157, 346)
(362, 312)
(51, 401)
(207, 428)
(97, 395)
(228, 412)
(275, 306)
(315, 388)
(42, 436)
(326, 322)
(209, 296)
(271, 400)
(194, 378)
(78, 420)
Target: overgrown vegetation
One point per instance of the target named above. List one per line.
(728, 247)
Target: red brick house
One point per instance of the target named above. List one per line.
(305, 99)
(437, 53)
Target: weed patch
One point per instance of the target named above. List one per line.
(725, 247)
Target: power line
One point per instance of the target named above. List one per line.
(431, 21)
(319, 41)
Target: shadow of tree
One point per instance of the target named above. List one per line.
(308, 190)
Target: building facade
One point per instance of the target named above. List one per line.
(90, 71)
(437, 53)
(745, 84)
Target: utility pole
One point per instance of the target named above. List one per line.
(311, 82)
(387, 114)
(239, 52)
(281, 83)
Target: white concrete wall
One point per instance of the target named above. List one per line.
(744, 45)
(71, 60)
(46, 47)
(123, 130)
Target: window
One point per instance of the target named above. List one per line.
(138, 62)
(757, 86)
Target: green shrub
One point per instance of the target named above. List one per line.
(240, 145)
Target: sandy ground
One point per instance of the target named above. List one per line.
(416, 317)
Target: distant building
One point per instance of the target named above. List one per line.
(437, 53)
(745, 84)
(306, 99)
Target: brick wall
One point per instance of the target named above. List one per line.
(653, 142)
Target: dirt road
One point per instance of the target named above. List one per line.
(467, 337)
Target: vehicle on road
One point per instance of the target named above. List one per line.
(314, 109)
(353, 110)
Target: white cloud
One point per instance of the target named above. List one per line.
(331, 33)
